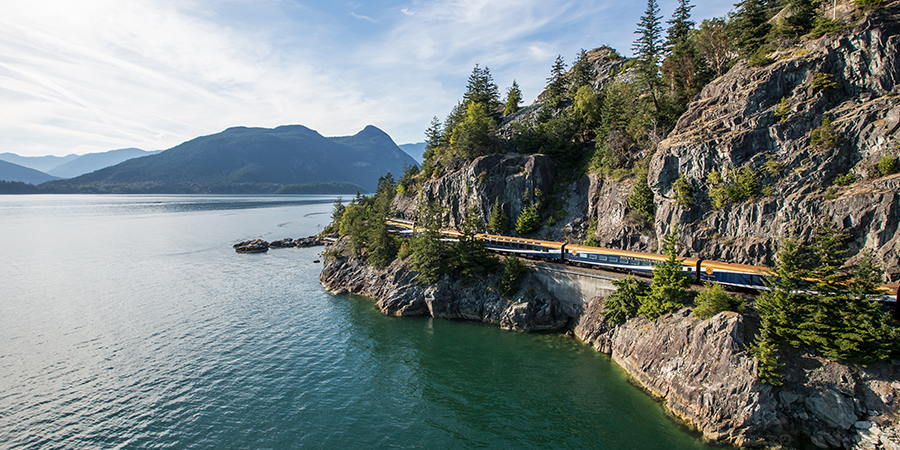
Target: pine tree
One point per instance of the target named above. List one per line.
(470, 256)
(429, 254)
(670, 287)
(556, 84)
(528, 221)
(499, 223)
(433, 138)
(641, 198)
(582, 72)
(681, 24)
(482, 89)
(474, 136)
(382, 245)
(648, 48)
(511, 278)
(513, 98)
(625, 301)
(749, 24)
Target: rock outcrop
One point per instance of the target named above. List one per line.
(516, 180)
(252, 246)
(702, 370)
(762, 118)
(397, 294)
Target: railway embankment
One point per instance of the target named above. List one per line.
(700, 369)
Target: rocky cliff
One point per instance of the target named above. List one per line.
(397, 294)
(702, 370)
(762, 118)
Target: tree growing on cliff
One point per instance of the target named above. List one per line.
(648, 48)
(511, 278)
(499, 223)
(469, 255)
(474, 136)
(625, 301)
(816, 299)
(429, 255)
(482, 89)
(556, 84)
(528, 221)
(381, 244)
(513, 98)
(670, 287)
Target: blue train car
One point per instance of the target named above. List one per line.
(528, 248)
(639, 263)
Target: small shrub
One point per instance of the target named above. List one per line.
(625, 301)
(641, 198)
(528, 221)
(760, 58)
(831, 194)
(772, 166)
(824, 137)
(513, 272)
(822, 81)
(712, 300)
(403, 252)
(869, 5)
(684, 192)
(824, 25)
(845, 180)
(782, 111)
(887, 166)
(718, 191)
(744, 186)
(332, 254)
(768, 368)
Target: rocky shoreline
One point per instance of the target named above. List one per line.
(700, 368)
(261, 246)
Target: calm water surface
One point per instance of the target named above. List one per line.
(129, 322)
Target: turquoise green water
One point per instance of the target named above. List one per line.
(130, 322)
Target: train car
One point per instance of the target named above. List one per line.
(404, 227)
(735, 275)
(621, 260)
(528, 248)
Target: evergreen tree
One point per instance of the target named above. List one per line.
(749, 25)
(482, 89)
(470, 256)
(337, 212)
(429, 254)
(474, 136)
(648, 48)
(511, 278)
(670, 287)
(582, 72)
(625, 301)
(802, 17)
(528, 221)
(681, 24)
(499, 223)
(556, 85)
(641, 198)
(714, 46)
(433, 136)
(513, 98)
(382, 245)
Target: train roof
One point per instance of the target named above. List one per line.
(609, 251)
(759, 270)
(496, 237)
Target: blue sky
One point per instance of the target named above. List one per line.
(95, 75)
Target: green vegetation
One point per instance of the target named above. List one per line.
(819, 301)
(713, 299)
(684, 192)
(845, 180)
(739, 185)
(824, 137)
(822, 81)
(469, 256)
(670, 287)
(782, 111)
(514, 271)
(887, 166)
(428, 252)
(513, 98)
(869, 5)
(529, 221)
(625, 302)
(499, 222)
(641, 198)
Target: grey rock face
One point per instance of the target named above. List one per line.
(516, 180)
(733, 124)
(398, 294)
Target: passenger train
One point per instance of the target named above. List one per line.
(699, 270)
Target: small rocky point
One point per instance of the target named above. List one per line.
(261, 246)
(252, 246)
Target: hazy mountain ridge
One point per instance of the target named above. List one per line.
(15, 172)
(250, 160)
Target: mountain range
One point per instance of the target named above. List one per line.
(251, 160)
(56, 167)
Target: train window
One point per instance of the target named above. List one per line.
(613, 259)
(529, 247)
(601, 257)
(592, 257)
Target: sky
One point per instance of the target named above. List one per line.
(95, 75)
